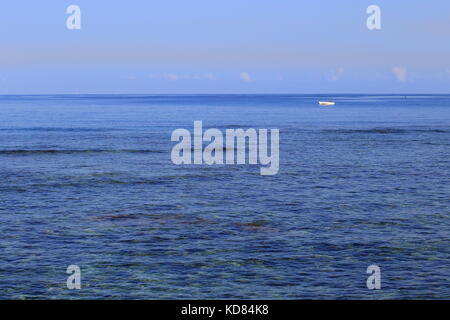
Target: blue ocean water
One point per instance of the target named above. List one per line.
(88, 180)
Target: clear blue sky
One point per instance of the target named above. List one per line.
(224, 46)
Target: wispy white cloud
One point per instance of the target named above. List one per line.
(130, 78)
(245, 76)
(400, 73)
(440, 28)
(336, 73)
(176, 77)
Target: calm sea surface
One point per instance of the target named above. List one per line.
(88, 180)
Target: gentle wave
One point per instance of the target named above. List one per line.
(385, 131)
(81, 151)
(56, 129)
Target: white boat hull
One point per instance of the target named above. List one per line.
(327, 103)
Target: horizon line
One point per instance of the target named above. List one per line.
(212, 94)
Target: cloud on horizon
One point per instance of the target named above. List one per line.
(176, 77)
(245, 76)
(400, 73)
(335, 74)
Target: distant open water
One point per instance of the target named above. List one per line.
(88, 180)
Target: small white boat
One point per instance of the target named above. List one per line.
(327, 103)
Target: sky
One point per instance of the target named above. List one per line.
(224, 46)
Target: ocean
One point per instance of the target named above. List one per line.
(88, 180)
